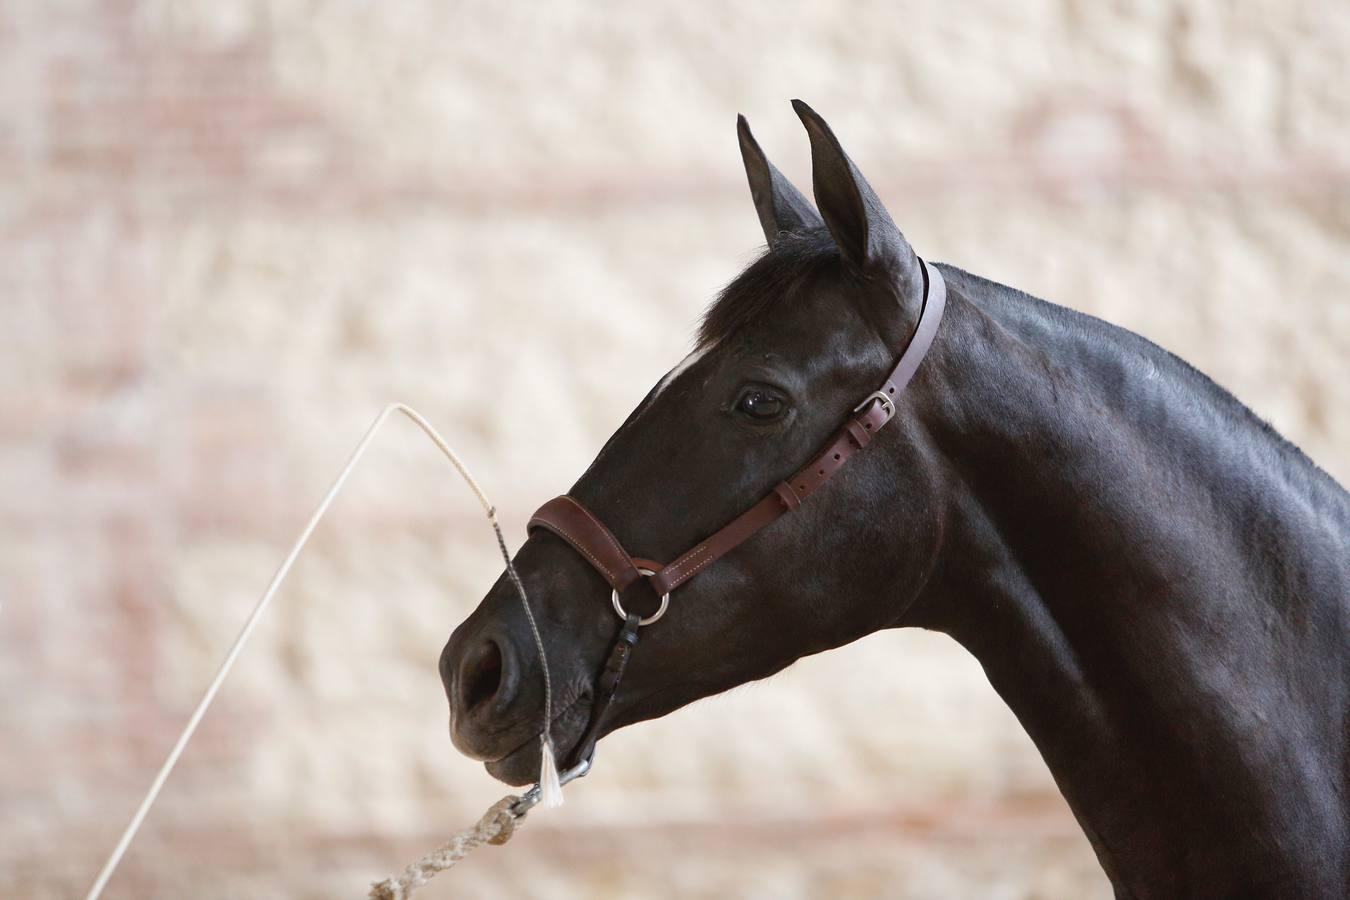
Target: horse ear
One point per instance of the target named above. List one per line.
(781, 207)
(868, 240)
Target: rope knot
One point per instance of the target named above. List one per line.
(499, 823)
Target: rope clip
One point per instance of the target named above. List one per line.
(530, 799)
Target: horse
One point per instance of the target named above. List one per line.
(1154, 580)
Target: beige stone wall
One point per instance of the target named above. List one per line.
(232, 231)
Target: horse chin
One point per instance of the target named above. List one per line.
(519, 767)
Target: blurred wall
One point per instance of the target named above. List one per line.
(232, 231)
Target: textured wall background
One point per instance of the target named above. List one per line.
(231, 232)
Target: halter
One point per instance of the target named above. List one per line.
(565, 517)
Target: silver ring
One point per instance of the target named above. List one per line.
(661, 611)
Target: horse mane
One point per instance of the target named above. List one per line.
(1241, 419)
(794, 260)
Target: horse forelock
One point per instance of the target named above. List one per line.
(792, 261)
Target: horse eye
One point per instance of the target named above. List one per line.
(760, 404)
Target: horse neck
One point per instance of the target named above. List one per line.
(1151, 582)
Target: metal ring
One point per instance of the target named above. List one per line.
(661, 611)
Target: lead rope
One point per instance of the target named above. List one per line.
(550, 788)
(498, 823)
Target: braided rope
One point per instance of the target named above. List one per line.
(496, 827)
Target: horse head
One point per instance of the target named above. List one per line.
(783, 355)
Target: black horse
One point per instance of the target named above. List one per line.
(1155, 581)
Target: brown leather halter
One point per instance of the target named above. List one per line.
(569, 520)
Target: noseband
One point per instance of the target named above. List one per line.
(587, 535)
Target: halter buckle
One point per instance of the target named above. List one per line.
(887, 404)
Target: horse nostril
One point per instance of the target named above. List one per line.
(482, 674)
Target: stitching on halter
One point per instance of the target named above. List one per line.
(680, 563)
(698, 568)
(603, 530)
(581, 548)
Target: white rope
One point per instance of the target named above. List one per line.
(258, 610)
